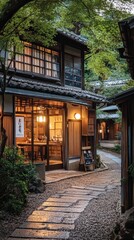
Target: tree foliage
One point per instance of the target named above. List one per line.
(98, 21)
(34, 20)
(9, 8)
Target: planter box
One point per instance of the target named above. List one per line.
(40, 168)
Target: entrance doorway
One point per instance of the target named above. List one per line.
(39, 131)
(74, 138)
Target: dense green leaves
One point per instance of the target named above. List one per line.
(34, 22)
(98, 21)
(15, 178)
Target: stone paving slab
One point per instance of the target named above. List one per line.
(55, 218)
(56, 199)
(48, 219)
(79, 204)
(49, 226)
(92, 193)
(63, 209)
(42, 234)
(76, 191)
(75, 196)
(56, 204)
(96, 189)
(52, 215)
(69, 220)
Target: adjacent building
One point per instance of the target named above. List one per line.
(109, 126)
(125, 101)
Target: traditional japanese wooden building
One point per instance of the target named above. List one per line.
(125, 101)
(47, 112)
(108, 127)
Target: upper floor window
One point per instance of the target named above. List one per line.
(36, 59)
(73, 71)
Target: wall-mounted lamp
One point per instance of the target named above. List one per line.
(77, 116)
(100, 130)
(41, 119)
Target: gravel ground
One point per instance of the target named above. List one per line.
(97, 220)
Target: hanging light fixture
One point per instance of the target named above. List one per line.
(77, 116)
(41, 119)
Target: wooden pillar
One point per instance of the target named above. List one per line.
(124, 157)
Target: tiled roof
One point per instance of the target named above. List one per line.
(108, 116)
(110, 108)
(123, 96)
(36, 86)
(72, 35)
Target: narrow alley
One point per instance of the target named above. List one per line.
(78, 207)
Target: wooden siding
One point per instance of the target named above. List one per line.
(74, 133)
(84, 121)
(8, 125)
(127, 190)
(124, 155)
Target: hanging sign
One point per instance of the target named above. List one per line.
(19, 126)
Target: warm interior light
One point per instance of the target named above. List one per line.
(41, 119)
(77, 116)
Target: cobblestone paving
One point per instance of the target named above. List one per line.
(55, 218)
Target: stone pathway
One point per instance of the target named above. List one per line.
(55, 218)
(109, 156)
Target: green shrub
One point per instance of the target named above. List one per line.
(15, 178)
(117, 148)
(98, 161)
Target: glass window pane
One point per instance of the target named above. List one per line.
(48, 57)
(19, 65)
(41, 70)
(72, 70)
(27, 67)
(27, 59)
(36, 61)
(41, 63)
(77, 63)
(36, 53)
(41, 55)
(55, 74)
(48, 65)
(48, 72)
(19, 57)
(27, 51)
(36, 69)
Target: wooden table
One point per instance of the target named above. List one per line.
(41, 145)
(42, 151)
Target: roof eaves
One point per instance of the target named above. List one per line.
(59, 90)
(123, 95)
(72, 35)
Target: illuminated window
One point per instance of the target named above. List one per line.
(35, 59)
